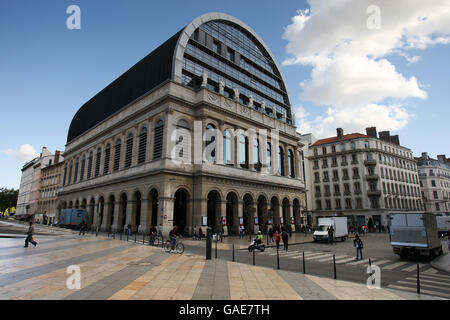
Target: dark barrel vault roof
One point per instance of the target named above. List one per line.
(145, 75)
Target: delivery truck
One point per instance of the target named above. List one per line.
(71, 218)
(414, 235)
(339, 225)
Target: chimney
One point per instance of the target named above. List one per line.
(340, 133)
(385, 136)
(57, 153)
(395, 139)
(372, 132)
(442, 158)
(424, 156)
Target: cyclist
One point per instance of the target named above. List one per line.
(173, 236)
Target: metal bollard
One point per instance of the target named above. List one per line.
(253, 256)
(334, 265)
(278, 260)
(143, 238)
(233, 253)
(304, 269)
(135, 235)
(108, 234)
(370, 262)
(216, 248)
(208, 243)
(418, 280)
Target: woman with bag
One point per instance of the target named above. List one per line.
(30, 234)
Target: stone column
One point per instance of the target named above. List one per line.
(168, 143)
(200, 210)
(166, 203)
(135, 147)
(292, 214)
(130, 213)
(106, 214)
(116, 226)
(255, 215)
(251, 156)
(223, 210)
(235, 147)
(263, 150)
(144, 226)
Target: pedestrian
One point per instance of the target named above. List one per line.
(357, 242)
(271, 235)
(285, 237)
(241, 231)
(30, 234)
(129, 229)
(82, 227)
(277, 239)
(330, 235)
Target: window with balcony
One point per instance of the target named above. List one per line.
(348, 203)
(334, 162)
(338, 204)
(328, 204)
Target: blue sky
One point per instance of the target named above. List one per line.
(48, 71)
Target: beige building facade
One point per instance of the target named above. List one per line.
(210, 142)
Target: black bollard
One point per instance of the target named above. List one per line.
(233, 252)
(216, 248)
(370, 262)
(135, 235)
(418, 280)
(253, 256)
(334, 265)
(143, 238)
(304, 270)
(278, 260)
(208, 243)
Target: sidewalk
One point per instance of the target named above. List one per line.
(117, 270)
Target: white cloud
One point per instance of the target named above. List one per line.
(351, 73)
(26, 152)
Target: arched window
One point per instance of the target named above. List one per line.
(97, 162)
(210, 145)
(256, 158)
(158, 142)
(243, 151)
(129, 151)
(83, 165)
(183, 142)
(90, 159)
(269, 155)
(70, 172)
(75, 176)
(117, 149)
(291, 164)
(142, 145)
(107, 159)
(280, 161)
(227, 153)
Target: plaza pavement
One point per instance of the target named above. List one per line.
(117, 270)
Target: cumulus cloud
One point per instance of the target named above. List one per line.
(348, 44)
(25, 152)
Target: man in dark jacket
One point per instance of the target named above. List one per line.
(83, 227)
(30, 234)
(359, 246)
(285, 238)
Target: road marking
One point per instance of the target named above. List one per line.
(394, 265)
(413, 267)
(436, 283)
(432, 293)
(436, 276)
(317, 257)
(433, 286)
(345, 260)
(360, 262)
(378, 263)
(430, 271)
(331, 258)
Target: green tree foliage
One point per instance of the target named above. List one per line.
(8, 198)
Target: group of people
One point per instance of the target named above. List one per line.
(275, 235)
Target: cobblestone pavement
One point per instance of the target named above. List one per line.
(118, 270)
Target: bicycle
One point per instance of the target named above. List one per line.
(156, 240)
(179, 246)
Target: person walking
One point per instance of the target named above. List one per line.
(200, 233)
(83, 226)
(241, 231)
(277, 237)
(271, 234)
(330, 235)
(30, 234)
(359, 246)
(285, 237)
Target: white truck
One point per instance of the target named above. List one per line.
(414, 234)
(443, 224)
(339, 225)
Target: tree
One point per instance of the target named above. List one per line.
(8, 199)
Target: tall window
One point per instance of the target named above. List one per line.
(142, 145)
(83, 164)
(89, 170)
(75, 176)
(117, 148)
(107, 158)
(243, 151)
(97, 162)
(291, 164)
(269, 156)
(70, 172)
(227, 154)
(158, 142)
(210, 143)
(65, 175)
(256, 158)
(183, 143)
(129, 151)
(280, 161)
